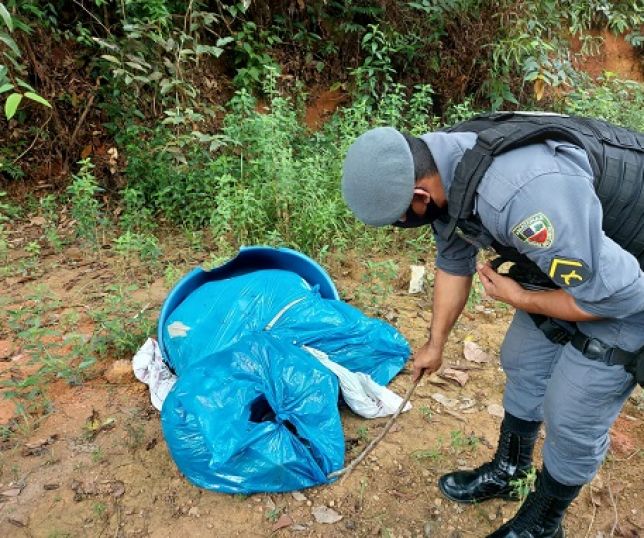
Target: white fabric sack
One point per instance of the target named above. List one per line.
(361, 393)
(149, 367)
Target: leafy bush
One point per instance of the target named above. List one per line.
(611, 99)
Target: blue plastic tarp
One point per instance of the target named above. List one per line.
(259, 416)
(251, 409)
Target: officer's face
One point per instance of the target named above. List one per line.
(427, 204)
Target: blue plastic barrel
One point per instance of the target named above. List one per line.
(249, 259)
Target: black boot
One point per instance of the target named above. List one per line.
(541, 514)
(513, 460)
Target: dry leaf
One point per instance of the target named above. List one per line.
(539, 87)
(444, 400)
(283, 522)
(456, 375)
(13, 492)
(322, 514)
(435, 380)
(473, 352)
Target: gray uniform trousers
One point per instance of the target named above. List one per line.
(577, 398)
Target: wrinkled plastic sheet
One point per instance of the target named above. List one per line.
(251, 410)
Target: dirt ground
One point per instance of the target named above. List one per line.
(94, 462)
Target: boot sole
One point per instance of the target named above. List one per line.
(505, 497)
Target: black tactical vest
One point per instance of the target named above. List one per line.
(616, 157)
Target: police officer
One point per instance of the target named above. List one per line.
(539, 200)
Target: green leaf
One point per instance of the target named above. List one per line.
(11, 105)
(134, 65)
(26, 86)
(37, 98)
(222, 41)
(6, 87)
(10, 43)
(111, 58)
(6, 16)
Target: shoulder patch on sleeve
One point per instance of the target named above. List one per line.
(536, 230)
(569, 272)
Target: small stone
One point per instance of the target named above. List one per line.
(194, 512)
(298, 496)
(210, 526)
(376, 498)
(309, 503)
(119, 372)
(331, 503)
(426, 473)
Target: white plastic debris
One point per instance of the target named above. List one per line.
(361, 393)
(417, 279)
(149, 368)
(178, 328)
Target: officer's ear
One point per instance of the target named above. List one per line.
(421, 194)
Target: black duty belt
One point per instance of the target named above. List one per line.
(596, 350)
(562, 332)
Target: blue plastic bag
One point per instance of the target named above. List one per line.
(346, 335)
(219, 313)
(259, 416)
(251, 410)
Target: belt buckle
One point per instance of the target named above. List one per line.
(594, 349)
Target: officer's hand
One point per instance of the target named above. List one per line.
(427, 359)
(501, 288)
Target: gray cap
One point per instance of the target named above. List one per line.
(378, 176)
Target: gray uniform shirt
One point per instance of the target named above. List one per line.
(540, 199)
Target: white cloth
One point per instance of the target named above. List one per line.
(149, 367)
(363, 395)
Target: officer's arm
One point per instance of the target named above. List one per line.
(553, 303)
(450, 296)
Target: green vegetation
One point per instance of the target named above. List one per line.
(521, 487)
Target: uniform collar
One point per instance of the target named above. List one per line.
(447, 150)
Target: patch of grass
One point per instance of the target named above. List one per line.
(363, 434)
(460, 442)
(427, 413)
(433, 454)
(376, 285)
(521, 487)
(274, 514)
(99, 509)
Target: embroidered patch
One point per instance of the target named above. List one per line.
(536, 230)
(568, 272)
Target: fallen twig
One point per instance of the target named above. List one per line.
(79, 123)
(349, 468)
(592, 519)
(612, 500)
(454, 414)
